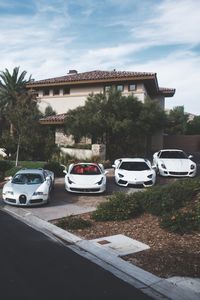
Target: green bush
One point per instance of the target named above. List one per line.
(4, 166)
(119, 206)
(181, 222)
(160, 200)
(55, 167)
(73, 223)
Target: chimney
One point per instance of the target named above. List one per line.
(72, 72)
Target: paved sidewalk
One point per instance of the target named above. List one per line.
(154, 286)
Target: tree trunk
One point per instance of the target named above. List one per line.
(11, 129)
(17, 155)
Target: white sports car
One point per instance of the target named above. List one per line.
(174, 162)
(85, 178)
(28, 187)
(134, 171)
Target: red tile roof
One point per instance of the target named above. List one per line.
(94, 76)
(55, 119)
(167, 92)
(150, 80)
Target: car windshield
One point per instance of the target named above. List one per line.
(85, 170)
(173, 154)
(27, 179)
(134, 166)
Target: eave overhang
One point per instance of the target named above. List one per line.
(53, 120)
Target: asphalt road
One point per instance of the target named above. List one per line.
(34, 266)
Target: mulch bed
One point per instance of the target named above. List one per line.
(169, 255)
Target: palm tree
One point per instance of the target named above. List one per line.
(11, 87)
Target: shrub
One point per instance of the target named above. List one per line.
(4, 166)
(160, 200)
(55, 167)
(119, 206)
(181, 222)
(73, 223)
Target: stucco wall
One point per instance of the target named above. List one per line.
(78, 95)
(78, 153)
(97, 150)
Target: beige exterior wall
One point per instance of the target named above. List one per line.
(62, 103)
(98, 150)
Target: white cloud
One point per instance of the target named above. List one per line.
(174, 22)
(181, 71)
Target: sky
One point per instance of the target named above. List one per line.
(47, 38)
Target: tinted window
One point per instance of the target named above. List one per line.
(173, 154)
(134, 166)
(85, 170)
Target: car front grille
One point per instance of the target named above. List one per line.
(11, 200)
(85, 190)
(134, 185)
(149, 182)
(22, 199)
(178, 173)
(36, 201)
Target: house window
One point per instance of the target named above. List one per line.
(56, 91)
(107, 88)
(66, 91)
(132, 87)
(46, 92)
(120, 87)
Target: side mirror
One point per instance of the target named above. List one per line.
(101, 166)
(48, 179)
(65, 171)
(106, 172)
(190, 156)
(114, 166)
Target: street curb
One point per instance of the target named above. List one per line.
(154, 286)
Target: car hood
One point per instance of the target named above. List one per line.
(136, 175)
(177, 164)
(84, 180)
(22, 188)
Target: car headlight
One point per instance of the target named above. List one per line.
(192, 167)
(9, 192)
(100, 181)
(150, 176)
(163, 166)
(37, 193)
(69, 180)
(120, 175)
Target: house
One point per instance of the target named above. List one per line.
(70, 91)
